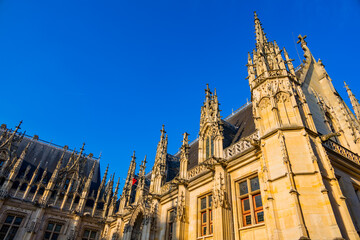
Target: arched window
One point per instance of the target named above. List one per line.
(209, 147)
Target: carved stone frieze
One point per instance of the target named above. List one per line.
(241, 146)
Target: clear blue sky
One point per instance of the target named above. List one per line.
(110, 73)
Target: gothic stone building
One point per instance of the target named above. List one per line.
(284, 166)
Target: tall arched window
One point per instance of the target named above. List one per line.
(209, 147)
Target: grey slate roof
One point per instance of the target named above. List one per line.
(48, 156)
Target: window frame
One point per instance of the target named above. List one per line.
(250, 196)
(15, 215)
(170, 222)
(55, 222)
(208, 211)
(209, 146)
(90, 230)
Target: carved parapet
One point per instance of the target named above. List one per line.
(196, 170)
(3, 194)
(342, 151)
(242, 145)
(202, 167)
(167, 187)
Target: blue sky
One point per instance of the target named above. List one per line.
(110, 73)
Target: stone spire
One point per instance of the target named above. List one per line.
(86, 188)
(259, 31)
(102, 184)
(32, 181)
(51, 184)
(158, 174)
(354, 102)
(8, 142)
(126, 194)
(267, 60)
(184, 157)
(15, 170)
(141, 182)
(114, 199)
(108, 195)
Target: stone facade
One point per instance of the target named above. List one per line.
(284, 166)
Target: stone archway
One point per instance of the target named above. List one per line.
(137, 227)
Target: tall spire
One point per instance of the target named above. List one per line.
(259, 32)
(51, 184)
(159, 169)
(86, 189)
(141, 182)
(102, 184)
(129, 182)
(354, 102)
(10, 139)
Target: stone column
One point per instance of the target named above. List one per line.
(182, 221)
(222, 220)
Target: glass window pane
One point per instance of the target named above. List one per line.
(204, 231)
(86, 233)
(248, 220)
(211, 216)
(203, 217)
(54, 236)
(172, 215)
(254, 182)
(212, 146)
(4, 229)
(12, 233)
(93, 234)
(57, 228)
(243, 188)
(203, 203)
(210, 200)
(260, 216)
(258, 202)
(246, 204)
(47, 235)
(17, 220)
(50, 227)
(9, 219)
(207, 148)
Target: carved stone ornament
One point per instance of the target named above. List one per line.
(181, 210)
(3, 194)
(31, 226)
(219, 193)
